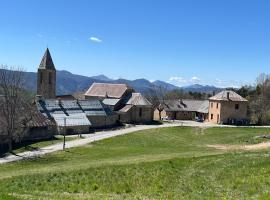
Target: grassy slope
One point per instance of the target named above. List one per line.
(168, 163)
(37, 145)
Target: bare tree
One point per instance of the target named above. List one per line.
(157, 97)
(260, 105)
(15, 107)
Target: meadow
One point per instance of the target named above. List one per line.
(165, 163)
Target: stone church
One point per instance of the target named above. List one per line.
(72, 116)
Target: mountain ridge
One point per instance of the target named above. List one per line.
(69, 83)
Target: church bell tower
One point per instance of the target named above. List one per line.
(46, 77)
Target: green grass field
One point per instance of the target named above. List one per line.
(167, 163)
(33, 146)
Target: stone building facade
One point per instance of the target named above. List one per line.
(46, 77)
(131, 107)
(182, 109)
(227, 107)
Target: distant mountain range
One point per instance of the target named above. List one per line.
(68, 83)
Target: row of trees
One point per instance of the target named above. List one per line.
(15, 104)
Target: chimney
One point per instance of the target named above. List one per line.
(228, 95)
(214, 93)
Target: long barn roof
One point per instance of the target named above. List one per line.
(107, 90)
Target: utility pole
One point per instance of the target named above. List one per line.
(65, 123)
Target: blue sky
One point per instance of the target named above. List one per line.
(217, 42)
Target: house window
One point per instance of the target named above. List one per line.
(211, 105)
(217, 118)
(212, 116)
(236, 106)
(140, 112)
(217, 105)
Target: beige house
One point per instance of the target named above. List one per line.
(227, 107)
(131, 107)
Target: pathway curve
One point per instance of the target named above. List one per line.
(88, 138)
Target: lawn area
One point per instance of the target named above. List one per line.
(32, 146)
(165, 163)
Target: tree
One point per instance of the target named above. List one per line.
(15, 107)
(259, 101)
(157, 96)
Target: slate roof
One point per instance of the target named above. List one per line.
(187, 105)
(70, 107)
(107, 90)
(47, 62)
(223, 96)
(111, 102)
(39, 120)
(126, 108)
(76, 119)
(137, 99)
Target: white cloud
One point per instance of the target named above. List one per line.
(195, 79)
(95, 39)
(232, 83)
(180, 81)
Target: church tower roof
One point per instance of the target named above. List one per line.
(47, 62)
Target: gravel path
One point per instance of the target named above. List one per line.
(88, 138)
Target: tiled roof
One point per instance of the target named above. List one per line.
(223, 96)
(138, 99)
(126, 108)
(187, 105)
(107, 90)
(39, 120)
(47, 62)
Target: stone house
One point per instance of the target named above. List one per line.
(130, 106)
(37, 128)
(137, 109)
(183, 109)
(227, 107)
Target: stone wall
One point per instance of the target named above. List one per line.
(74, 130)
(103, 121)
(137, 114)
(46, 83)
(39, 133)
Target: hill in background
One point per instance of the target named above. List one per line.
(68, 83)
